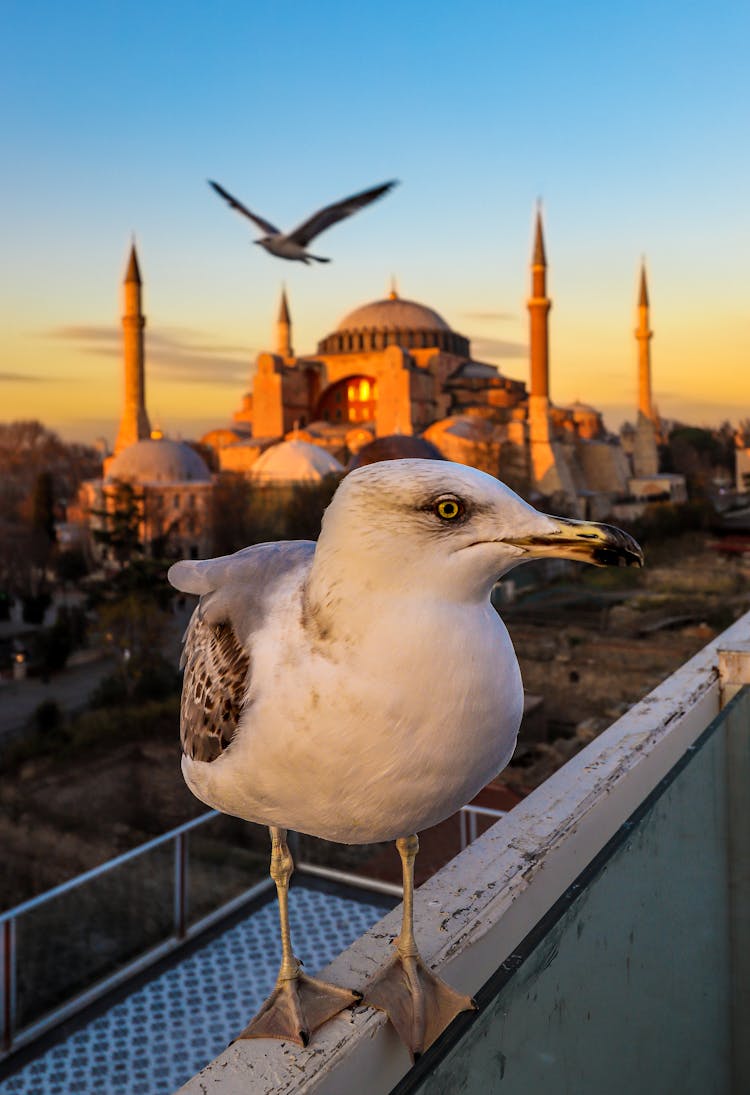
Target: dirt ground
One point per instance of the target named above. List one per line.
(589, 651)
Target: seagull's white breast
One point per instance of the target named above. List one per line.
(376, 733)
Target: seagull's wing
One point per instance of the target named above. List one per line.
(324, 218)
(237, 594)
(265, 226)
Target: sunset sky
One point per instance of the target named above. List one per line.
(630, 121)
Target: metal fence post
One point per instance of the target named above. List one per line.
(180, 885)
(9, 983)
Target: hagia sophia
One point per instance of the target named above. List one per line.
(393, 372)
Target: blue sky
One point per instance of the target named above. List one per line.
(630, 121)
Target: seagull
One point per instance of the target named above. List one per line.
(293, 245)
(363, 689)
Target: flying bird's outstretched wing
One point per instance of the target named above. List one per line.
(331, 214)
(265, 226)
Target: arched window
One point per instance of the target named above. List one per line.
(353, 399)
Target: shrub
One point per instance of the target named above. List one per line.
(34, 607)
(47, 718)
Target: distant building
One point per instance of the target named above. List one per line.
(396, 367)
(394, 378)
(165, 484)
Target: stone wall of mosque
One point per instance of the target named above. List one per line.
(282, 395)
(645, 449)
(395, 412)
(604, 466)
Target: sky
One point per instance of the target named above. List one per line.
(628, 121)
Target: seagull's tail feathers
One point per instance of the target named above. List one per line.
(317, 258)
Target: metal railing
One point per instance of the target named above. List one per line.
(467, 820)
(15, 1035)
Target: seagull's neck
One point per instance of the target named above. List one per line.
(351, 586)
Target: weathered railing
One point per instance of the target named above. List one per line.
(116, 919)
(43, 921)
(604, 919)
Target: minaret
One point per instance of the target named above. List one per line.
(284, 328)
(539, 305)
(550, 473)
(644, 336)
(645, 447)
(134, 424)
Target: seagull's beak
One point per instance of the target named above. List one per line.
(602, 545)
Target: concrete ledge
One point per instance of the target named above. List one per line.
(474, 912)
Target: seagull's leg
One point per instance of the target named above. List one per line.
(418, 1003)
(299, 1004)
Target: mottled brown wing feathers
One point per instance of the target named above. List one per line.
(214, 688)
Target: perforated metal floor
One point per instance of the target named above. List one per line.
(154, 1040)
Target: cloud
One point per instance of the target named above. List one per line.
(498, 347)
(27, 378)
(105, 335)
(172, 353)
(490, 317)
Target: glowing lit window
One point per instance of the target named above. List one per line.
(364, 390)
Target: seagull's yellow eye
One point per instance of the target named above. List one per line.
(449, 508)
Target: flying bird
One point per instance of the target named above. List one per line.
(293, 245)
(363, 688)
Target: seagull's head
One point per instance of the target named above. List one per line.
(451, 529)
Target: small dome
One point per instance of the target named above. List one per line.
(395, 447)
(394, 313)
(294, 462)
(158, 460)
(469, 427)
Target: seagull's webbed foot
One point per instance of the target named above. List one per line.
(418, 1003)
(298, 1006)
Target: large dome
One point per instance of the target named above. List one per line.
(393, 322)
(158, 460)
(294, 462)
(393, 313)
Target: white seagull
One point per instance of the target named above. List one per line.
(364, 688)
(293, 245)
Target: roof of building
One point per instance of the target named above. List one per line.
(395, 447)
(284, 316)
(540, 258)
(472, 370)
(469, 427)
(133, 272)
(159, 460)
(294, 462)
(394, 322)
(395, 314)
